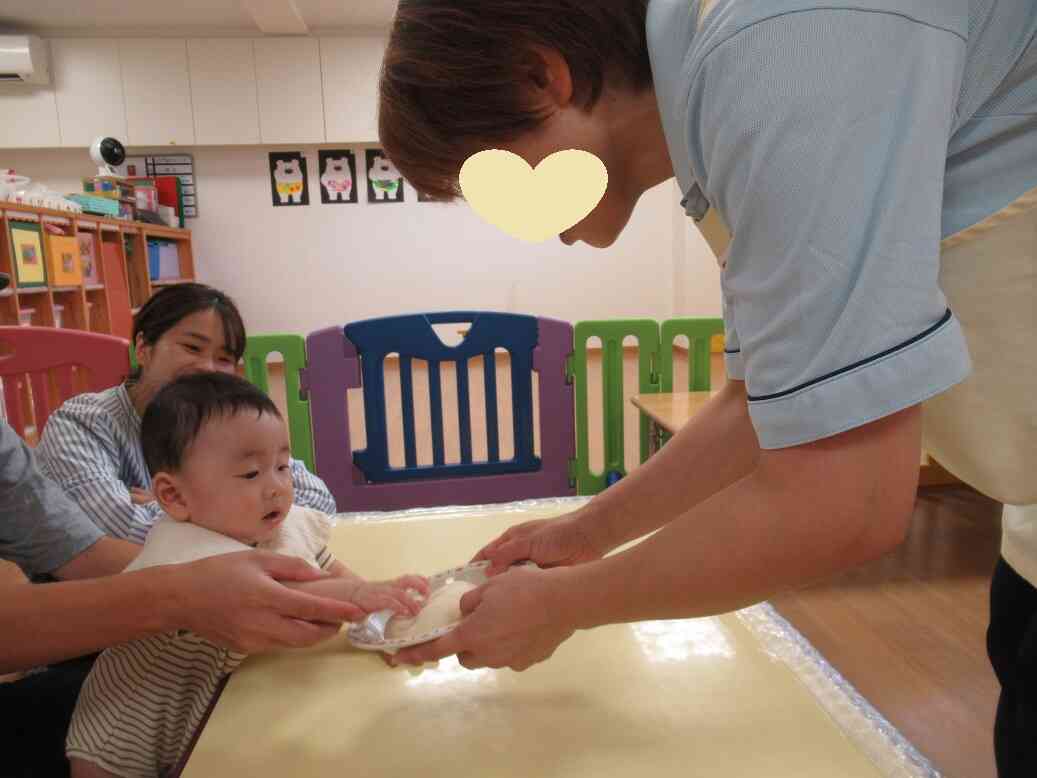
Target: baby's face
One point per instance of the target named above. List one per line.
(236, 478)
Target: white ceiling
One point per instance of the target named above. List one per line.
(202, 17)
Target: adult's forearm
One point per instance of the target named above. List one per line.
(801, 515)
(43, 623)
(716, 448)
(107, 556)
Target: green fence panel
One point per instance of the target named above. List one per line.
(293, 349)
(611, 333)
(700, 333)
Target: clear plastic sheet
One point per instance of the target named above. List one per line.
(524, 510)
(859, 721)
(868, 729)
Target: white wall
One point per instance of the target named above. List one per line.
(295, 269)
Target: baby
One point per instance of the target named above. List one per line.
(218, 452)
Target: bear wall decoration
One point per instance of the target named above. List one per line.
(289, 181)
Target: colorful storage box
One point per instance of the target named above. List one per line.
(27, 243)
(88, 257)
(64, 267)
(163, 260)
(112, 188)
(145, 197)
(102, 206)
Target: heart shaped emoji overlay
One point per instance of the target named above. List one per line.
(533, 204)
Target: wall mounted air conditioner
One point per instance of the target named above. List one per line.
(23, 60)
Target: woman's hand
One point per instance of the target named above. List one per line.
(140, 496)
(239, 601)
(510, 621)
(556, 542)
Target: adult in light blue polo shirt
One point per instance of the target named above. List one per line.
(874, 164)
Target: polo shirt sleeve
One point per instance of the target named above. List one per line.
(734, 366)
(821, 136)
(40, 528)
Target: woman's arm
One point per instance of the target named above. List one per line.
(86, 455)
(716, 448)
(311, 491)
(712, 451)
(802, 514)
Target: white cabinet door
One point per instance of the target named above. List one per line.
(351, 67)
(28, 117)
(291, 109)
(88, 88)
(223, 90)
(158, 92)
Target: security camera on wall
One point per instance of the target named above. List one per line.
(107, 153)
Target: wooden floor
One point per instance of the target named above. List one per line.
(907, 631)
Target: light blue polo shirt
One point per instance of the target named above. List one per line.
(840, 141)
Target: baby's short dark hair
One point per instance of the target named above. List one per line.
(175, 416)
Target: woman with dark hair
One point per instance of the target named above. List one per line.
(865, 173)
(91, 445)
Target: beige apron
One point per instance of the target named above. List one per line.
(983, 430)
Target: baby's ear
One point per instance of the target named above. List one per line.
(169, 496)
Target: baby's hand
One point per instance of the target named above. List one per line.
(404, 595)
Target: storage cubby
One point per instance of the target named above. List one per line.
(111, 280)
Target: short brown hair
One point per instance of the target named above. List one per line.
(453, 74)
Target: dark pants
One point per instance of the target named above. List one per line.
(38, 710)
(1012, 646)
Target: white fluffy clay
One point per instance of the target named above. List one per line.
(442, 609)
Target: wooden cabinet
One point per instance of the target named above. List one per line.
(350, 67)
(223, 91)
(111, 291)
(28, 117)
(212, 91)
(291, 106)
(88, 89)
(158, 91)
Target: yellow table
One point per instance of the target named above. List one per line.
(694, 697)
(669, 412)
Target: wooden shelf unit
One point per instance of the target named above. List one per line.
(124, 283)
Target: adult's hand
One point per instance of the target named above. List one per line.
(558, 542)
(510, 621)
(140, 496)
(240, 601)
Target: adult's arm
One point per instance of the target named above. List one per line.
(83, 451)
(715, 449)
(311, 491)
(41, 529)
(712, 451)
(235, 600)
(803, 513)
(108, 556)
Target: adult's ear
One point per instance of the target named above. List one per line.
(549, 78)
(170, 497)
(142, 350)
